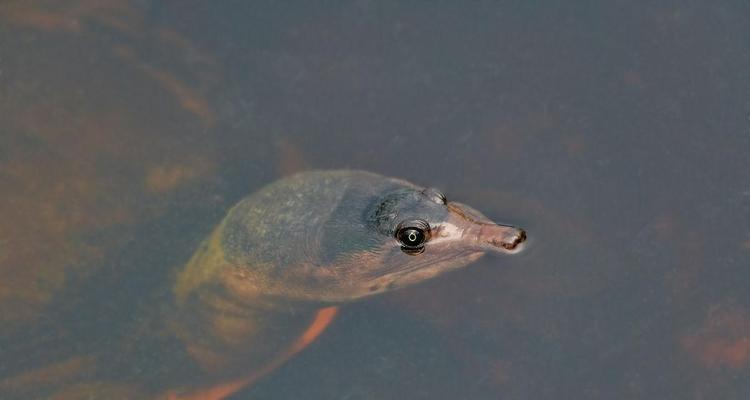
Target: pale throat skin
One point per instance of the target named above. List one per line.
(329, 237)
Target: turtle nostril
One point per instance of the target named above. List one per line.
(518, 238)
(501, 237)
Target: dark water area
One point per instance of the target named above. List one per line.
(616, 133)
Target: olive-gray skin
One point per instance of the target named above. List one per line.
(315, 239)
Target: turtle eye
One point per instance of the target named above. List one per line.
(435, 195)
(413, 235)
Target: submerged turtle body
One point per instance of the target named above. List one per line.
(313, 240)
(267, 280)
(89, 163)
(93, 146)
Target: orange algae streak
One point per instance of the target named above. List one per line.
(323, 319)
(723, 340)
(189, 98)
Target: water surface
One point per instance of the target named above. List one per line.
(617, 134)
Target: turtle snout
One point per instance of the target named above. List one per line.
(503, 238)
(514, 241)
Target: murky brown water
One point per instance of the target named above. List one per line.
(618, 135)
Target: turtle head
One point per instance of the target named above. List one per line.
(342, 235)
(409, 235)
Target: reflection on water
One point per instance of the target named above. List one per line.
(616, 134)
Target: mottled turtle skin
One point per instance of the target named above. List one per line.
(329, 236)
(316, 239)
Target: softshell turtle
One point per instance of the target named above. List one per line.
(315, 240)
(269, 277)
(88, 163)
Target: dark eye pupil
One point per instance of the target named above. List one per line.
(411, 237)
